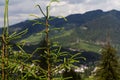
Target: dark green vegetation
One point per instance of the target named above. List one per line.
(109, 68)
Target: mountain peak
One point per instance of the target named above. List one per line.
(113, 11)
(94, 11)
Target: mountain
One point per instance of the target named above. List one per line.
(81, 31)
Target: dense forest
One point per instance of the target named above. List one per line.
(76, 47)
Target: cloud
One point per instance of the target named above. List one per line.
(19, 10)
(75, 1)
(92, 2)
(85, 1)
(11, 2)
(2, 2)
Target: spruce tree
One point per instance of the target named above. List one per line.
(108, 68)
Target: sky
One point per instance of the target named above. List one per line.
(20, 10)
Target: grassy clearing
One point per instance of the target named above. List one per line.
(33, 39)
(86, 46)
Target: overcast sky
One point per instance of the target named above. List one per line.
(19, 10)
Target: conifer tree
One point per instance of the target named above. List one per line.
(108, 68)
(4, 48)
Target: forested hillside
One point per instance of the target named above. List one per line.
(79, 31)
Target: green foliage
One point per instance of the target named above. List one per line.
(109, 67)
(14, 64)
(51, 60)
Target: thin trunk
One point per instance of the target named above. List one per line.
(3, 57)
(5, 43)
(49, 76)
(48, 50)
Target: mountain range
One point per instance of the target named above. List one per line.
(86, 31)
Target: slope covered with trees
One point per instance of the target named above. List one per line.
(86, 28)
